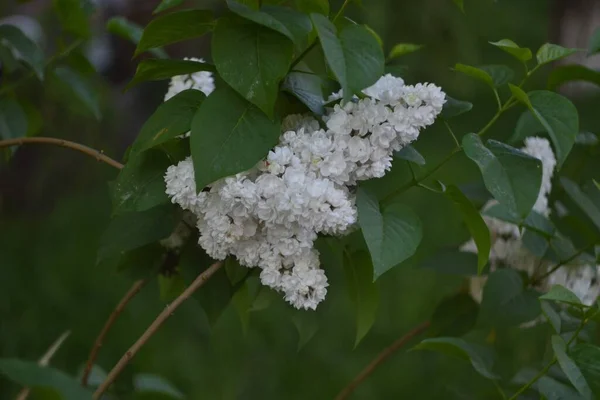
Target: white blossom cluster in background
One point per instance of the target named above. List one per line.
(201, 80)
(508, 249)
(269, 217)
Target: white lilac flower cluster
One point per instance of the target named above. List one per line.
(508, 249)
(270, 216)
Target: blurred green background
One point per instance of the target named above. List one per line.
(54, 205)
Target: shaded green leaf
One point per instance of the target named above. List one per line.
(392, 232)
(561, 294)
(242, 302)
(313, 6)
(140, 185)
(155, 70)
(363, 291)
(594, 44)
(507, 301)
(500, 74)
(165, 5)
(81, 87)
(265, 55)
(552, 316)
(548, 387)
(454, 316)
(476, 73)
(535, 221)
(130, 31)
(460, 4)
(156, 384)
(453, 262)
(402, 49)
(521, 53)
(332, 48)
(23, 48)
(363, 56)
(511, 176)
(131, 230)
(480, 358)
(73, 17)
(582, 200)
(175, 27)
(171, 119)
(453, 107)
(229, 135)
(527, 125)
(235, 272)
(306, 88)
(551, 52)
(477, 227)
(569, 367)
(32, 375)
(559, 118)
(520, 95)
(587, 358)
(13, 121)
(171, 286)
(409, 153)
(307, 324)
(569, 73)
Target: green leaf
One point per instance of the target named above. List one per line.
(454, 316)
(507, 301)
(552, 316)
(570, 73)
(594, 44)
(452, 262)
(520, 95)
(460, 4)
(214, 297)
(521, 53)
(392, 232)
(477, 227)
(363, 291)
(73, 17)
(587, 358)
(13, 121)
(332, 48)
(170, 287)
(511, 176)
(130, 31)
(527, 125)
(81, 88)
(140, 263)
(153, 383)
(313, 6)
(229, 135)
(569, 367)
(171, 119)
(561, 294)
(549, 388)
(582, 200)
(131, 230)
(30, 374)
(296, 26)
(501, 74)
(480, 358)
(165, 5)
(265, 55)
(535, 221)
(24, 48)
(175, 27)
(235, 272)
(306, 88)
(409, 153)
(140, 185)
(307, 324)
(559, 118)
(476, 73)
(242, 302)
(453, 107)
(155, 70)
(551, 52)
(402, 49)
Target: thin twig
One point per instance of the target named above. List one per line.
(98, 155)
(162, 317)
(45, 360)
(537, 280)
(134, 290)
(364, 374)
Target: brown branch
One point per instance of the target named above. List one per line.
(134, 290)
(99, 156)
(368, 370)
(162, 317)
